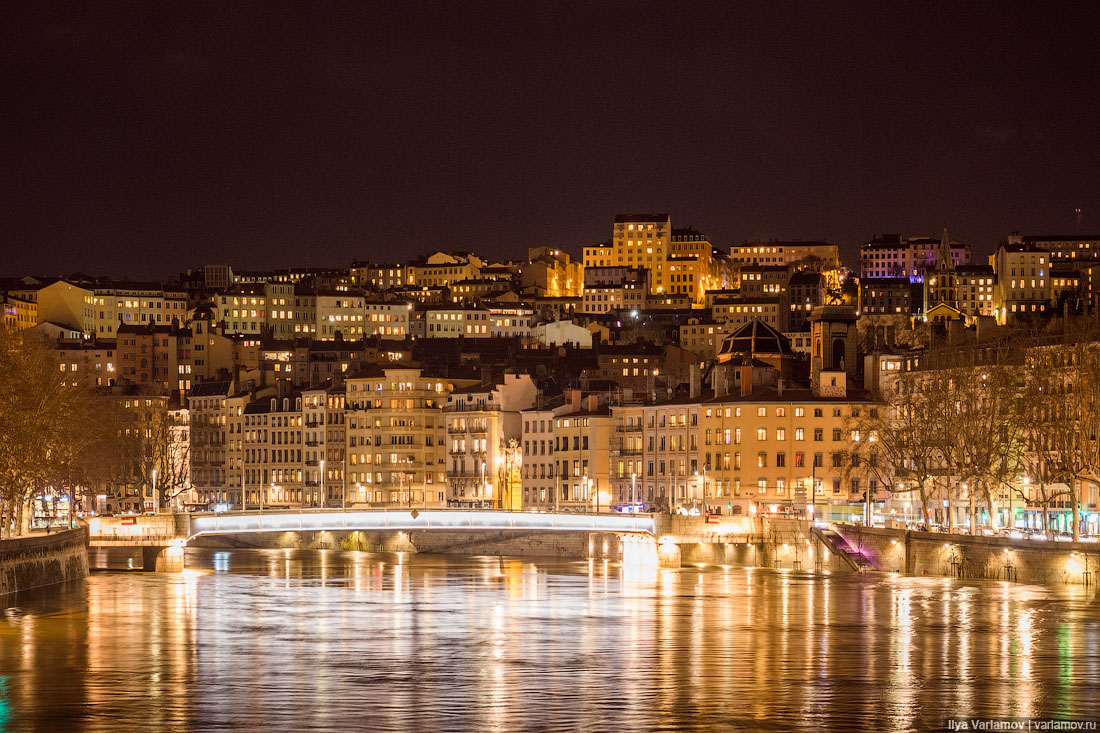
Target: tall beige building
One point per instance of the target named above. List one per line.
(396, 445)
(644, 240)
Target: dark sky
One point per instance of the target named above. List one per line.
(139, 139)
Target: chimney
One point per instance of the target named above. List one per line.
(746, 380)
(575, 399)
(718, 380)
(779, 386)
(593, 402)
(693, 381)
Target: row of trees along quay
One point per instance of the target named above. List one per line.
(982, 423)
(61, 440)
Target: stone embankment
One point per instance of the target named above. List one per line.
(966, 556)
(31, 562)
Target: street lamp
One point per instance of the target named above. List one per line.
(633, 490)
(704, 490)
(155, 491)
(321, 498)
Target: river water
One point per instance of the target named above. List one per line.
(326, 640)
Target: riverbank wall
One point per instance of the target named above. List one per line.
(795, 544)
(966, 556)
(31, 562)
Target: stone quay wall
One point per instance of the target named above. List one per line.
(966, 556)
(790, 544)
(31, 562)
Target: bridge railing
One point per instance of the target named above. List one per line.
(407, 520)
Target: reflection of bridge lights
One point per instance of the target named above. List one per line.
(638, 550)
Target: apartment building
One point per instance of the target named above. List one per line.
(770, 445)
(209, 411)
(61, 302)
(339, 315)
(457, 322)
(1023, 287)
(737, 311)
(379, 277)
(120, 303)
(325, 447)
(702, 336)
(88, 363)
(581, 439)
(627, 452)
(274, 460)
(898, 255)
(389, 319)
(20, 311)
(440, 269)
(608, 289)
(152, 356)
(551, 273)
(695, 266)
(243, 309)
(784, 254)
(396, 445)
(889, 295)
(484, 442)
(805, 291)
(1062, 247)
(538, 476)
(599, 255)
(282, 316)
(644, 240)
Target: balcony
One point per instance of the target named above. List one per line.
(313, 443)
(312, 462)
(628, 428)
(477, 429)
(456, 430)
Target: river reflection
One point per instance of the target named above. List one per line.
(326, 640)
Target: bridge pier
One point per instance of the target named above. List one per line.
(162, 559)
(668, 555)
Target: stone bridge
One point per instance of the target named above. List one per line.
(163, 536)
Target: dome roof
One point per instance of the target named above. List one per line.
(755, 337)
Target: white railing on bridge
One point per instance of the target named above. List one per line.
(426, 519)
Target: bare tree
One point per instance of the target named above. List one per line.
(981, 437)
(1063, 386)
(898, 433)
(48, 427)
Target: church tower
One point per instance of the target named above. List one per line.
(945, 286)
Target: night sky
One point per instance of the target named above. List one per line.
(140, 139)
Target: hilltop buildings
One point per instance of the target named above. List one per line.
(659, 370)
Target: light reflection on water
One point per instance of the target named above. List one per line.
(289, 639)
